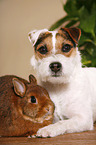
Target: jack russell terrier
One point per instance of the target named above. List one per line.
(71, 87)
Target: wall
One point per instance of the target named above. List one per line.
(17, 18)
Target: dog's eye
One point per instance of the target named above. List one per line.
(66, 47)
(43, 50)
(33, 99)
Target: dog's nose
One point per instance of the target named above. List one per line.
(55, 66)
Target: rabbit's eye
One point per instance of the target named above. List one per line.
(33, 99)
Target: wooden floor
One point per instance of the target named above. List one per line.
(84, 138)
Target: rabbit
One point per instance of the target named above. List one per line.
(24, 106)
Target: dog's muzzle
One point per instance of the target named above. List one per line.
(55, 67)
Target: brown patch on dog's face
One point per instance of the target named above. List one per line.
(43, 45)
(64, 44)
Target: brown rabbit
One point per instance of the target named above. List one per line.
(24, 107)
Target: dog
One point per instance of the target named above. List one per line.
(71, 87)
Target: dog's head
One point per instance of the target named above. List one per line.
(56, 54)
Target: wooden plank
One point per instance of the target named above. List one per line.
(83, 138)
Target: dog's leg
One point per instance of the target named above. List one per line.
(75, 124)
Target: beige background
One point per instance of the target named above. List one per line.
(17, 18)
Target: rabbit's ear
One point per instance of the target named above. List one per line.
(32, 80)
(19, 87)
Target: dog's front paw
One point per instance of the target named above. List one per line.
(48, 131)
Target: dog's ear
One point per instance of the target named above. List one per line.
(34, 35)
(74, 33)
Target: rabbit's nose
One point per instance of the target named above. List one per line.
(48, 109)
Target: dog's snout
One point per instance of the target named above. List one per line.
(55, 66)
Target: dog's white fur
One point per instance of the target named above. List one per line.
(73, 92)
